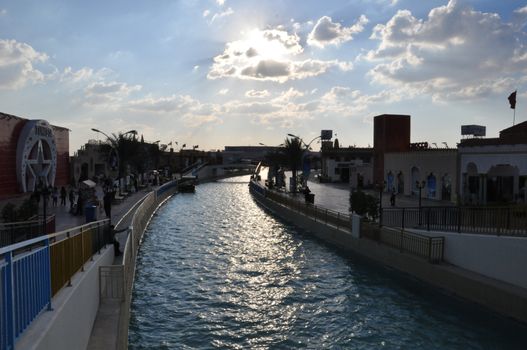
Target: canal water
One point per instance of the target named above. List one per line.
(217, 271)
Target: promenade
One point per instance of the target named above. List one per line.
(335, 196)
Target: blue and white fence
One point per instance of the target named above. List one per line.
(25, 288)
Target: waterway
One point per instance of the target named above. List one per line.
(217, 271)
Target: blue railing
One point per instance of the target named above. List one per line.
(25, 289)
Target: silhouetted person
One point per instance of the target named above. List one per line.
(115, 242)
(62, 196)
(55, 196)
(392, 199)
(71, 198)
(107, 203)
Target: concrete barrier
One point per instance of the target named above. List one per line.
(501, 297)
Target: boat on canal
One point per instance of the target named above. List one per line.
(187, 184)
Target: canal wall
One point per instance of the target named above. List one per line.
(126, 273)
(494, 256)
(503, 298)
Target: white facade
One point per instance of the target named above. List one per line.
(435, 170)
(493, 173)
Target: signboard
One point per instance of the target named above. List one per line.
(326, 134)
(36, 155)
(476, 130)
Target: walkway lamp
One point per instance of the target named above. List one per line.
(382, 186)
(420, 186)
(115, 146)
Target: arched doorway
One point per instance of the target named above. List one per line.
(472, 184)
(416, 178)
(390, 182)
(500, 183)
(431, 186)
(400, 182)
(446, 187)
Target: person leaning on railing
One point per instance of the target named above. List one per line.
(115, 242)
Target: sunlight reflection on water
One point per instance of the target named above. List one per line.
(217, 271)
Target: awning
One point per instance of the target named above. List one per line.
(89, 183)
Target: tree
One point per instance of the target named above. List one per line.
(293, 152)
(364, 204)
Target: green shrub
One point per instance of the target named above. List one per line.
(364, 205)
(9, 212)
(27, 209)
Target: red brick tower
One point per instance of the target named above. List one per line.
(391, 133)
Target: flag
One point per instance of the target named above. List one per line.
(512, 100)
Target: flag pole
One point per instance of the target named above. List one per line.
(514, 118)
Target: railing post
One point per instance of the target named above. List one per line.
(458, 219)
(9, 301)
(401, 241)
(47, 278)
(430, 249)
(428, 219)
(402, 219)
(82, 249)
(70, 262)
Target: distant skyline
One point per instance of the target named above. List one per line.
(224, 72)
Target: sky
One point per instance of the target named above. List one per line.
(225, 72)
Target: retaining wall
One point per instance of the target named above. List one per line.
(503, 298)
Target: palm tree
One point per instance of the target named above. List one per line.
(293, 152)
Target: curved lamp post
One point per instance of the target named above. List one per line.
(420, 186)
(115, 147)
(306, 144)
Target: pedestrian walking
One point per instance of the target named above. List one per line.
(62, 196)
(55, 195)
(392, 199)
(71, 198)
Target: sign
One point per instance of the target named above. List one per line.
(36, 155)
(475, 130)
(326, 134)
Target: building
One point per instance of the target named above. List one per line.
(93, 160)
(494, 170)
(412, 168)
(431, 171)
(391, 133)
(353, 165)
(31, 151)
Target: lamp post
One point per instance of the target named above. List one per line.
(381, 185)
(115, 146)
(307, 146)
(42, 190)
(420, 186)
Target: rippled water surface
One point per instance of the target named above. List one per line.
(217, 271)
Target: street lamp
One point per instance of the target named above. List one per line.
(115, 147)
(43, 190)
(420, 186)
(382, 186)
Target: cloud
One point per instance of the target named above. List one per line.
(3, 12)
(222, 14)
(220, 2)
(454, 49)
(108, 94)
(17, 62)
(257, 93)
(326, 32)
(206, 13)
(223, 91)
(269, 55)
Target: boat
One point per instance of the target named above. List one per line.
(187, 184)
